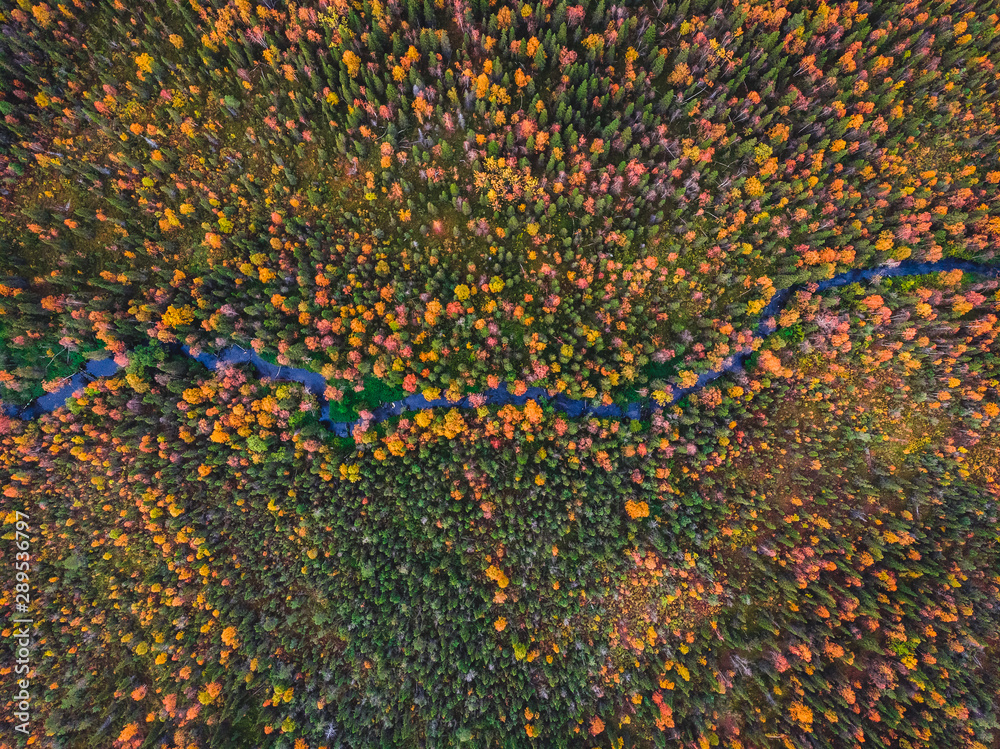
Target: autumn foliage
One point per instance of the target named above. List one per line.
(516, 211)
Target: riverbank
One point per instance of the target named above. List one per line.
(574, 408)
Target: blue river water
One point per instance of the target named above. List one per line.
(574, 408)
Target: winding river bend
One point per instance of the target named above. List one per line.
(574, 408)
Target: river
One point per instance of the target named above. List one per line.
(574, 408)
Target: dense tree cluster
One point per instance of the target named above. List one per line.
(575, 196)
(449, 196)
(807, 551)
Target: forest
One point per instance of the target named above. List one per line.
(611, 374)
